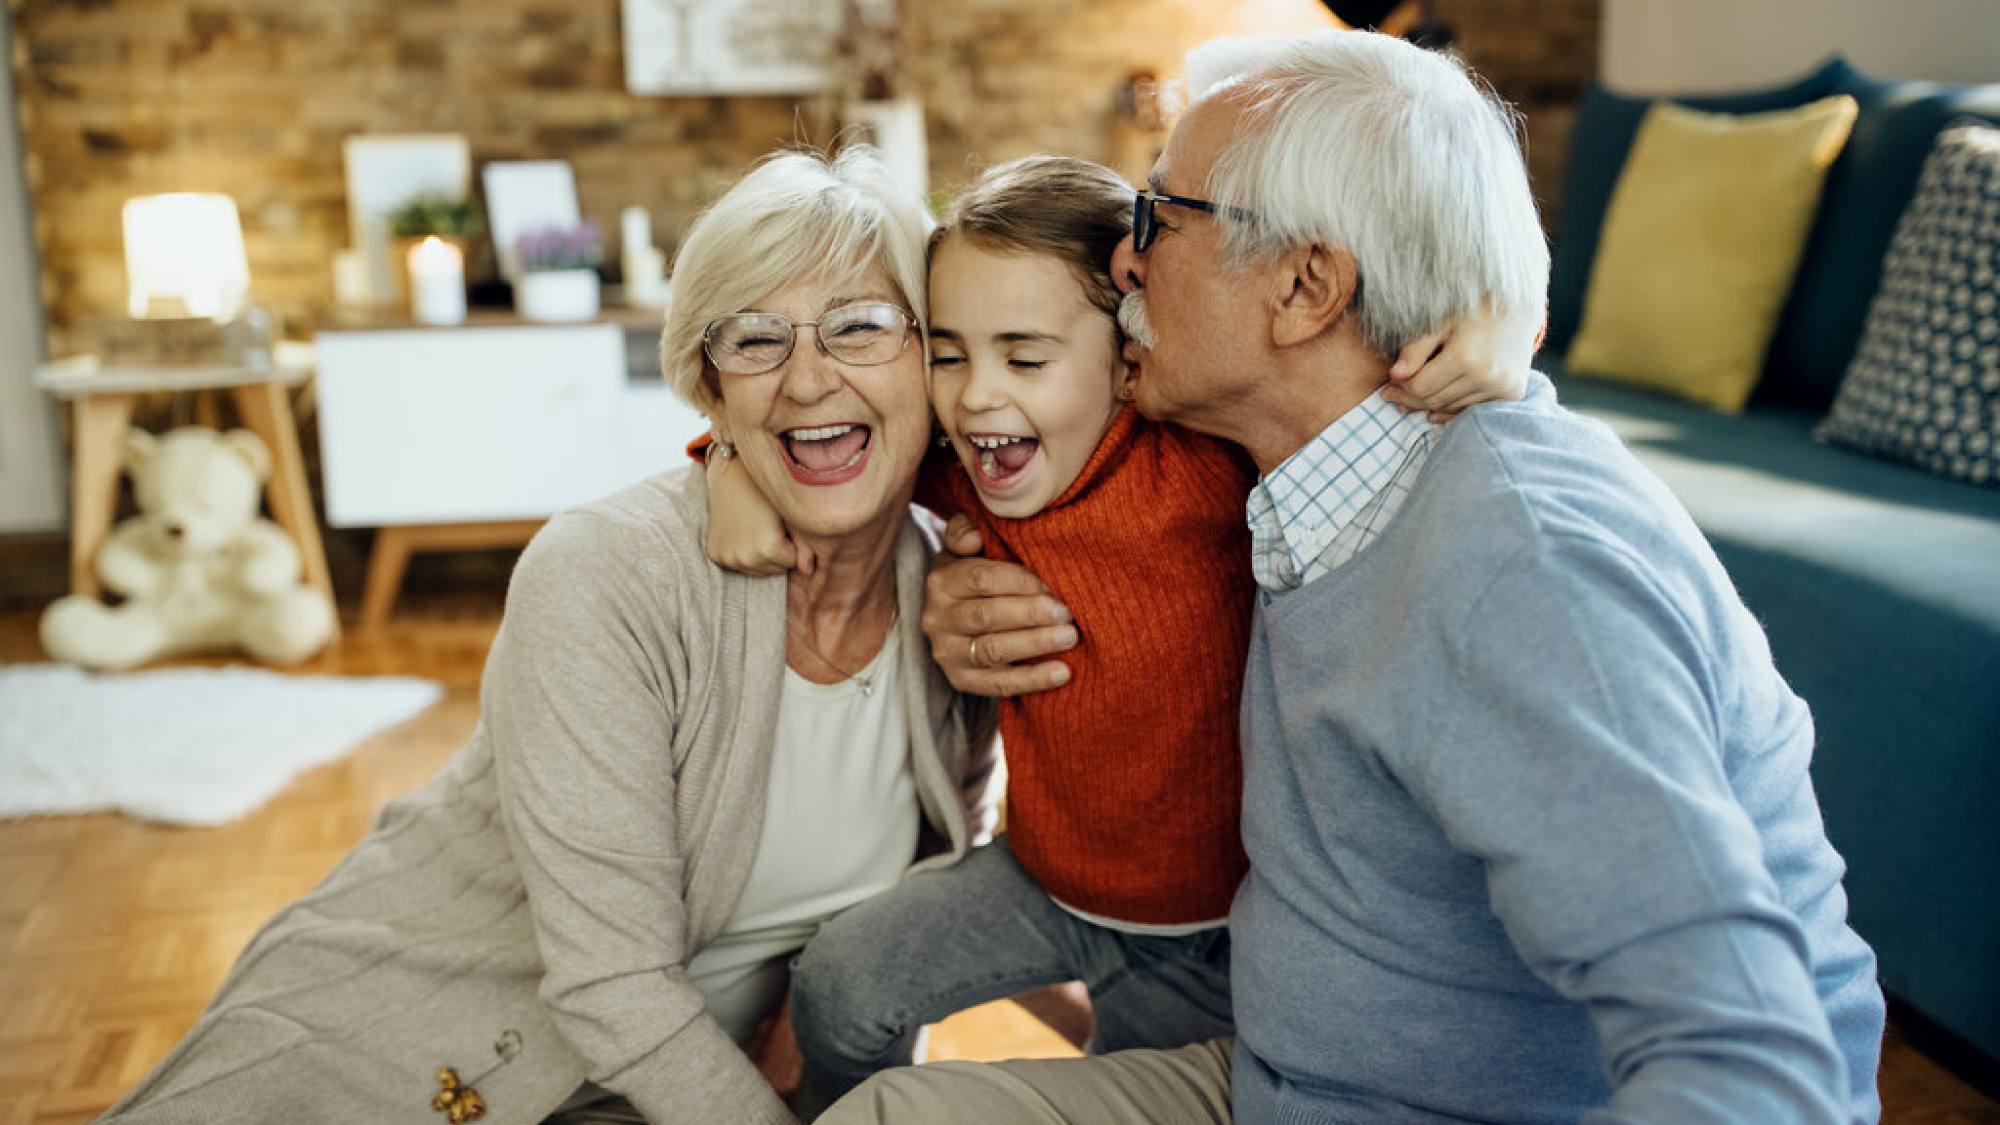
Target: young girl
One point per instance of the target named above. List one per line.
(1122, 850)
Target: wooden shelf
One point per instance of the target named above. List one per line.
(395, 320)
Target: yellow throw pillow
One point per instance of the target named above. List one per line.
(1700, 243)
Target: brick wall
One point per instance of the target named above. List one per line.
(254, 97)
(1540, 55)
(1004, 78)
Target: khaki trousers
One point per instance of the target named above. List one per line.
(1186, 1086)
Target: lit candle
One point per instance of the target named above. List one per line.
(437, 282)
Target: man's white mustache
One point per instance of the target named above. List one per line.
(1133, 319)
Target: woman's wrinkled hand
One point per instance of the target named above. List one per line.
(1485, 358)
(991, 623)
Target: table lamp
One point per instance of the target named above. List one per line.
(184, 256)
(187, 283)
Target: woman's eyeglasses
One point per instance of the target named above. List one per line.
(751, 343)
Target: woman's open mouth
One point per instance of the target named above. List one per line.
(1001, 460)
(823, 455)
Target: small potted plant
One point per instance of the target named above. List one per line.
(558, 279)
(456, 221)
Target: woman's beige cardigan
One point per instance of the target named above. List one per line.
(556, 876)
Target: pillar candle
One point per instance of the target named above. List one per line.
(437, 282)
(636, 228)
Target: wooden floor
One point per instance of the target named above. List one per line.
(113, 932)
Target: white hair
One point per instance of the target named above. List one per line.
(797, 216)
(1392, 152)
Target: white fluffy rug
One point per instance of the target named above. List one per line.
(186, 746)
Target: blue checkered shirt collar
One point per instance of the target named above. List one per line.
(1325, 502)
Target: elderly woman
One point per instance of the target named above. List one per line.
(679, 772)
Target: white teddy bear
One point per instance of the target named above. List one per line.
(199, 568)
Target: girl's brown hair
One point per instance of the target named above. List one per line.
(1069, 209)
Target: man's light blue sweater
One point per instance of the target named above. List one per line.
(1530, 828)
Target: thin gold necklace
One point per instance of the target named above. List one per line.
(865, 683)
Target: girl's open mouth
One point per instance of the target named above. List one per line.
(1001, 460)
(831, 454)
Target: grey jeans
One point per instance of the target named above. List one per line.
(981, 930)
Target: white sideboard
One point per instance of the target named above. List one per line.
(469, 436)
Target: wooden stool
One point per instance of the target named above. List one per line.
(103, 399)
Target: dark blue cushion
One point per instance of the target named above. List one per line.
(1866, 191)
(1879, 587)
(1606, 124)
(1924, 386)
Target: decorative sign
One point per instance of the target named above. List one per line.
(730, 46)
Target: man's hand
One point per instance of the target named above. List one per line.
(987, 620)
(775, 1049)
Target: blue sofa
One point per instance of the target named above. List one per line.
(1878, 584)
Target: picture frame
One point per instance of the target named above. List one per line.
(705, 47)
(384, 172)
(523, 196)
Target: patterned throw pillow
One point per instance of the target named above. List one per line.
(1925, 385)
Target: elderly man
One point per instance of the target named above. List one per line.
(1526, 803)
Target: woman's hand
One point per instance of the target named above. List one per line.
(744, 532)
(775, 1049)
(1485, 358)
(987, 620)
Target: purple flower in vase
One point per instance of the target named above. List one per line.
(559, 248)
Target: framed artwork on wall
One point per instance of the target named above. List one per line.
(701, 47)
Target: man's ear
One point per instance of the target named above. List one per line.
(1313, 285)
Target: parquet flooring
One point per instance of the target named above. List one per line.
(113, 932)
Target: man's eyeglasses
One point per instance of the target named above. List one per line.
(1145, 228)
(863, 334)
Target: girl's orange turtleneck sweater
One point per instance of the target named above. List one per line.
(1125, 785)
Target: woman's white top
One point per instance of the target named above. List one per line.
(840, 825)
